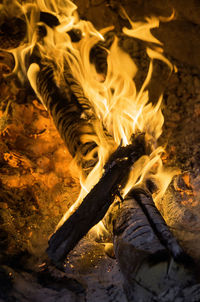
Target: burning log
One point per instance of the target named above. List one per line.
(96, 203)
(71, 113)
(75, 119)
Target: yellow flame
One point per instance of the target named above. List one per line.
(114, 98)
(142, 30)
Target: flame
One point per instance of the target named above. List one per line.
(142, 30)
(114, 98)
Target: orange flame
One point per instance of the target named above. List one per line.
(115, 99)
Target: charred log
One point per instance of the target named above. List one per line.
(96, 203)
(71, 112)
(139, 218)
(146, 261)
(158, 224)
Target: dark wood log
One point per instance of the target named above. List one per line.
(96, 203)
(145, 257)
(139, 203)
(158, 224)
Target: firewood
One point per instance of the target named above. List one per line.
(139, 214)
(158, 224)
(154, 266)
(96, 203)
(71, 112)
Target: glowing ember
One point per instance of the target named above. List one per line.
(113, 98)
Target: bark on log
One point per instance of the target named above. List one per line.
(158, 224)
(71, 112)
(96, 203)
(145, 259)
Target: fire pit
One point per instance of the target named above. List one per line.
(103, 90)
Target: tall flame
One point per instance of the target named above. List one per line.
(114, 98)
